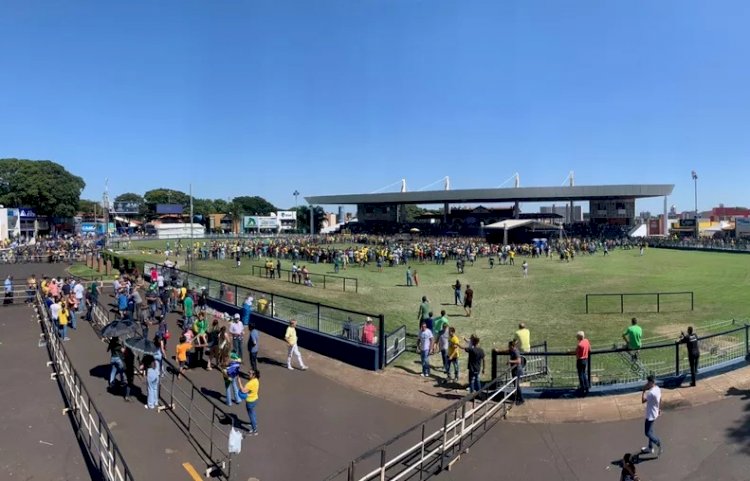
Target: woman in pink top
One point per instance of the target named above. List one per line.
(582, 363)
(368, 332)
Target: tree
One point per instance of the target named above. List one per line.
(221, 206)
(45, 186)
(203, 207)
(134, 198)
(89, 207)
(303, 218)
(254, 205)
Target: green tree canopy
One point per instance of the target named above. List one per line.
(254, 205)
(43, 185)
(164, 196)
(88, 207)
(303, 218)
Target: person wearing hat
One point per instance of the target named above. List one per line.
(368, 332)
(230, 374)
(236, 329)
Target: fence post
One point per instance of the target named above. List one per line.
(494, 364)
(692, 300)
(356, 285)
(622, 303)
(344, 284)
(658, 302)
(318, 316)
(591, 367)
(382, 464)
(324, 281)
(382, 348)
(676, 359)
(546, 359)
(747, 340)
(587, 303)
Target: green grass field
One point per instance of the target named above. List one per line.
(550, 300)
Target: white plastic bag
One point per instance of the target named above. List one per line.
(235, 441)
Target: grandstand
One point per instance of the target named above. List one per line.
(611, 207)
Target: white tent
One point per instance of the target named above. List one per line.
(510, 224)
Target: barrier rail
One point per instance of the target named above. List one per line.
(436, 443)
(536, 361)
(90, 426)
(296, 278)
(643, 294)
(620, 367)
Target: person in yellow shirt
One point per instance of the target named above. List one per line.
(454, 351)
(62, 321)
(291, 341)
(250, 389)
(523, 337)
(263, 305)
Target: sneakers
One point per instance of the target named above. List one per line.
(290, 368)
(254, 432)
(645, 450)
(304, 368)
(659, 450)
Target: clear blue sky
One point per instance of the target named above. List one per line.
(265, 97)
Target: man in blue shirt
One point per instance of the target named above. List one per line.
(247, 309)
(252, 347)
(9, 290)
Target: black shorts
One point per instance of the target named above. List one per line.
(467, 304)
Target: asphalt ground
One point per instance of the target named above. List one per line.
(37, 441)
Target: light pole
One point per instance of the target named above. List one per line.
(295, 194)
(697, 226)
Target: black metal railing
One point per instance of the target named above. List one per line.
(657, 296)
(317, 280)
(622, 366)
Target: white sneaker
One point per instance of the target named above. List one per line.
(645, 450)
(304, 368)
(290, 368)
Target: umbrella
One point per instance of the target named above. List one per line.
(414, 229)
(121, 329)
(141, 346)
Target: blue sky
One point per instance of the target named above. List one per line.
(265, 97)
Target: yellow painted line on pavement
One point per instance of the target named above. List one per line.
(192, 472)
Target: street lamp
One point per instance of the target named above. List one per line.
(697, 227)
(295, 194)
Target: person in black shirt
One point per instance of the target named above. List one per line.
(516, 362)
(694, 353)
(476, 363)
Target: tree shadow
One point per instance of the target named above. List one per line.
(740, 432)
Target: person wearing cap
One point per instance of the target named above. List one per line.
(235, 330)
(368, 332)
(291, 340)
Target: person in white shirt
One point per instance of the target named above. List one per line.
(78, 291)
(651, 397)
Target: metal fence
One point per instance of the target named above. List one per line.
(19, 293)
(334, 321)
(90, 426)
(317, 280)
(433, 445)
(657, 296)
(536, 361)
(621, 366)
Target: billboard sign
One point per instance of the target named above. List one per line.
(260, 222)
(126, 207)
(286, 214)
(88, 227)
(169, 209)
(742, 226)
(687, 222)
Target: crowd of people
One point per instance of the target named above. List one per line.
(47, 249)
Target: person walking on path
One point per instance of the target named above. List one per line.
(523, 338)
(457, 292)
(425, 347)
(129, 359)
(251, 389)
(582, 363)
(694, 353)
(515, 361)
(230, 374)
(152, 378)
(293, 350)
(247, 310)
(651, 397)
(476, 363)
(252, 346)
(454, 352)
(632, 337)
(468, 300)
(115, 361)
(525, 268)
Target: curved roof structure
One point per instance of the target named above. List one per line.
(513, 194)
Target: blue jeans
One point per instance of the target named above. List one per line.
(232, 392)
(73, 319)
(649, 431)
(474, 384)
(117, 368)
(583, 378)
(425, 357)
(446, 361)
(62, 330)
(453, 363)
(237, 345)
(457, 297)
(251, 414)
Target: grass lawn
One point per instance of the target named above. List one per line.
(550, 300)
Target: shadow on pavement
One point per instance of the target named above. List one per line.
(740, 432)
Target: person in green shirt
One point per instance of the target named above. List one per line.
(187, 305)
(424, 310)
(632, 337)
(437, 327)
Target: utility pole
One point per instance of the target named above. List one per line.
(697, 226)
(295, 194)
(105, 205)
(312, 220)
(191, 229)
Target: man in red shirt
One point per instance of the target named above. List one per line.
(582, 363)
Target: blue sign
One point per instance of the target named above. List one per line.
(88, 227)
(24, 212)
